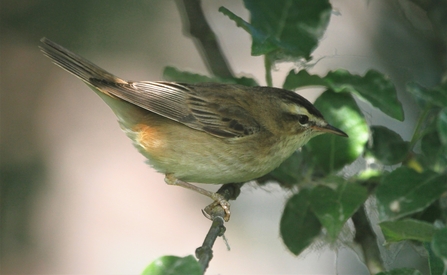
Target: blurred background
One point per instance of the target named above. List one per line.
(77, 198)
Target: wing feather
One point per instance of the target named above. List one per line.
(215, 113)
(213, 108)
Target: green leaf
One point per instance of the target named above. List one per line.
(173, 74)
(434, 154)
(299, 226)
(401, 271)
(430, 214)
(374, 87)
(330, 152)
(404, 191)
(284, 28)
(442, 126)
(439, 244)
(334, 207)
(173, 265)
(409, 229)
(261, 43)
(435, 263)
(295, 80)
(291, 171)
(388, 146)
(436, 95)
(430, 145)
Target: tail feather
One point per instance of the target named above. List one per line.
(75, 64)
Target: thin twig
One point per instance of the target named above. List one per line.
(196, 26)
(268, 70)
(365, 236)
(217, 214)
(205, 252)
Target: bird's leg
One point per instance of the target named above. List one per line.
(218, 198)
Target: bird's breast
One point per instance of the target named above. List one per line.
(196, 156)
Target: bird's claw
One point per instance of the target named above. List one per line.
(219, 200)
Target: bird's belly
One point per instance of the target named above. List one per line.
(196, 156)
(204, 163)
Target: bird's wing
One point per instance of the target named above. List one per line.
(205, 109)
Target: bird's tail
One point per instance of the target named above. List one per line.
(75, 64)
(102, 82)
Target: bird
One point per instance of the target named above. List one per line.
(210, 133)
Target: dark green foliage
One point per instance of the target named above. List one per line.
(387, 146)
(374, 88)
(172, 265)
(408, 195)
(299, 226)
(330, 153)
(284, 29)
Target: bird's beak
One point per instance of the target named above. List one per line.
(330, 129)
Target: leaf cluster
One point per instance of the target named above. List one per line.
(407, 178)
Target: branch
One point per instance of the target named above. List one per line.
(216, 212)
(206, 41)
(365, 236)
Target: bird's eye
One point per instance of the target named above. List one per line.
(303, 119)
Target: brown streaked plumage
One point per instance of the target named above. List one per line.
(204, 133)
